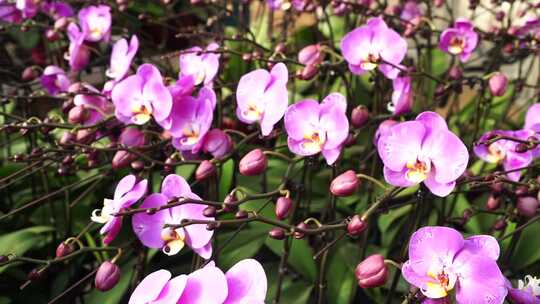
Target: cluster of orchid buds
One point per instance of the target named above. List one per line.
(226, 159)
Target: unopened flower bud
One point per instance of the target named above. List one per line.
(500, 224)
(521, 148)
(372, 272)
(359, 116)
(212, 226)
(527, 206)
(308, 72)
(280, 48)
(493, 202)
(522, 191)
(455, 73)
(61, 23)
(298, 234)
(64, 249)
(78, 114)
(51, 35)
(241, 214)
(345, 184)
(356, 225)
(311, 55)
(497, 187)
(29, 74)
(85, 136)
(277, 233)
(230, 202)
(283, 207)
(3, 259)
(107, 276)
(205, 170)
(67, 138)
(210, 211)
(253, 163)
(35, 274)
(498, 83)
(137, 165)
(122, 159)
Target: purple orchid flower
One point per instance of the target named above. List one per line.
(28, 8)
(461, 39)
(54, 80)
(262, 97)
(528, 291)
(532, 118)
(121, 57)
(128, 192)
(314, 127)
(96, 22)
(246, 282)
(423, 150)
(207, 285)
(190, 120)
(57, 9)
(374, 45)
(98, 107)
(9, 13)
(504, 151)
(151, 230)
(402, 97)
(441, 260)
(201, 65)
(78, 53)
(217, 143)
(142, 96)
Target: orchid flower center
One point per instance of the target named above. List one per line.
(418, 170)
(104, 215)
(530, 284)
(142, 112)
(191, 134)
(314, 141)
(456, 45)
(495, 153)
(442, 283)
(253, 112)
(370, 62)
(174, 240)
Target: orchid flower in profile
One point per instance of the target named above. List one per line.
(441, 260)
(318, 128)
(151, 229)
(54, 80)
(402, 96)
(121, 57)
(128, 191)
(207, 285)
(142, 96)
(217, 143)
(98, 107)
(96, 22)
(527, 292)
(505, 151)
(262, 97)
(190, 119)
(78, 53)
(372, 46)
(461, 39)
(201, 65)
(423, 150)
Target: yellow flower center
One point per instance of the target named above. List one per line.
(253, 112)
(142, 113)
(191, 134)
(442, 285)
(314, 141)
(370, 62)
(495, 153)
(174, 240)
(417, 171)
(457, 45)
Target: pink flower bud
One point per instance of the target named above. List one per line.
(493, 202)
(359, 116)
(311, 55)
(210, 211)
(372, 272)
(29, 74)
(308, 72)
(345, 184)
(122, 159)
(217, 143)
(527, 206)
(64, 249)
(61, 23)
(253, 163)
(132, 137)
(298, 234)
(455, 73)
(356, 225)
(205, 170)
(107, 276)
(498, 83)
(277, 233)
(67, 138)
(500, 224)
(51, 35)
(283, 207)
(78, 115)
(85, 136)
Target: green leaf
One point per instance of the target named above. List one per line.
(244, 245)
(340, 277)
(526, 253)
(225, 182)
(300, 256)
(21, 241)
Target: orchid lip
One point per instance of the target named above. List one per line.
(174, 240)
(313, 142)
(418, 170)
(495, 153)
(104, 215)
